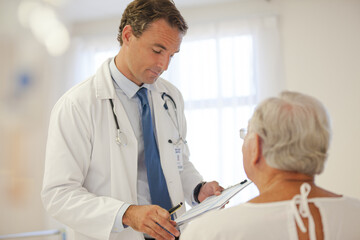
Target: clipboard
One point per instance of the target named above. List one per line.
(212, 203)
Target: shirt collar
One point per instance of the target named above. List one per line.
(126, 85)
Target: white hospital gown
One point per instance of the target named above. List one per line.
(277, 220)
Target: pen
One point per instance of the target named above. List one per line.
(174, 209)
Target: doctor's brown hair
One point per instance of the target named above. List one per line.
(139, 14)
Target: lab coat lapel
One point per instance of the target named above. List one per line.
(165, 131)
(125, 157)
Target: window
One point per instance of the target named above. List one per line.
(216, 78)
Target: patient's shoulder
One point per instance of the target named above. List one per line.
(289, 193)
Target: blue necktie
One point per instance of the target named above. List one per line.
(158, 189)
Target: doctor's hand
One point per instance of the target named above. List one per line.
(209, 189)
(147, 218)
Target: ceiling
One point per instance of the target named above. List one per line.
(85, 10)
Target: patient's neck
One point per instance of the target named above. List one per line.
(281, 185)
(287, 179)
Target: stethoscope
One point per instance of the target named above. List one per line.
(121, 138)
(169, 98)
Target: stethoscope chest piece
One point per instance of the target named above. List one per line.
(121, 138)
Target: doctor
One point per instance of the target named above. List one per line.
(113, 134)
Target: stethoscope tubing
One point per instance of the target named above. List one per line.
(176, 125)
(121, 135)
(113, 111)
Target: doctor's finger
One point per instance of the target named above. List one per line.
(213, 188)
(167, 225)
(160, 231)
(218, 190)
(161, 212)
(153, 233)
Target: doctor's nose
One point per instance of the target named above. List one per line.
(164, 62)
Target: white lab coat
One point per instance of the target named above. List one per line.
(88, 176)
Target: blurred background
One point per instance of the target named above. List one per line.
(236, 53)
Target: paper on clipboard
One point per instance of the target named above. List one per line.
(211, 203)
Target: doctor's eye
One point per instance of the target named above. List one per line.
(157, 52)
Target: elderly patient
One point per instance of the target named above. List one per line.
(285, 147)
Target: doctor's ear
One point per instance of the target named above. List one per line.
(127, 34)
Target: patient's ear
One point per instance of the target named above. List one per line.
(256, 150)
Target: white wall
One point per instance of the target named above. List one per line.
(322, 51)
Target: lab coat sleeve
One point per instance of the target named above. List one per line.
(68, 155)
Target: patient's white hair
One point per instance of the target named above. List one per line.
(295, 132)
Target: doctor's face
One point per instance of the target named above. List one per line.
(148, 56)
